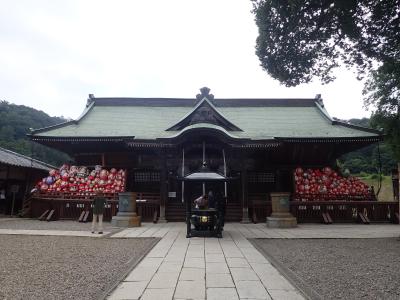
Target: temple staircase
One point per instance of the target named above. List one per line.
(175, 212)
(233, 212)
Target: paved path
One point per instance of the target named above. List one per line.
(228, 268)
(51, 232)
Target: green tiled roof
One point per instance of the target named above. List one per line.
(11, 158)
(259, 119)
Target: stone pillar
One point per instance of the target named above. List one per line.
(126, 216)
(281, 216)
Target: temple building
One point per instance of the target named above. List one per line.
(18, 176)
(257, 143)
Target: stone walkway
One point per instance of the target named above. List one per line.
(227, 268)
(52, 232)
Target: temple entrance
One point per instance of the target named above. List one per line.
(194, 190)
(197, 151)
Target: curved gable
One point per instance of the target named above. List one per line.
(204, 112)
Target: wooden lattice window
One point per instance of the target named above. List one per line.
(147, 176)
(261, 177)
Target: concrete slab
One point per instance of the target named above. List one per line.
(141, 274)
(190, 290)
(239, 274)
(193, 274)
(237, 262)
(170, 267)
(194, 262)
(215, 257)
(152, 262)
(219, 281)
(128, 290)
(216, 268)
(158, 294)
(222, 294)
(164, 280)
(285, 295)
(251, 289)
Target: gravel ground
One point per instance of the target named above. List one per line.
(44, 267)
(338, 268)
(19, 223)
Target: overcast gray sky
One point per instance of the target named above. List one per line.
(54, 53)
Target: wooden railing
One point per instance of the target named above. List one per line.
(344, 211)
(330, 197)
(72, 195)
(304, 211)
(69, 208)
(260, 208)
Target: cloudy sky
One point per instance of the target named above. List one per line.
(54, 53)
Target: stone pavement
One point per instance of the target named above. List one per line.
(227, 268)
(52, 232)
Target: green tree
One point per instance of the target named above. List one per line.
(382, 91)
(15, 121)
(302, 39)
(374, 157)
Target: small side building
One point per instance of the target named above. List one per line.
(18, 175)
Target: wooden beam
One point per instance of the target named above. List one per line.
(50, 215)
(86, 217)
(43, 215)
(80, 219)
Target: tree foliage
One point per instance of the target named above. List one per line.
(15, 122)
(371, 159)
(302, 39)
(382, 91)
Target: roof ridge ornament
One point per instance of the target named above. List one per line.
(318, 98)
(205, 93)
(90, 99)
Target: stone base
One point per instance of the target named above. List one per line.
(125, 219)
(282, 222)
(162, 221)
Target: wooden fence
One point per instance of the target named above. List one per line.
(344, 211)
(339, 211)
(68, 208)
(259, 208)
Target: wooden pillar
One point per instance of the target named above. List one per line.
(244, 194)
(6, 187)
(278, 178)
(398, 170)
(163, 187)
(103, 160)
